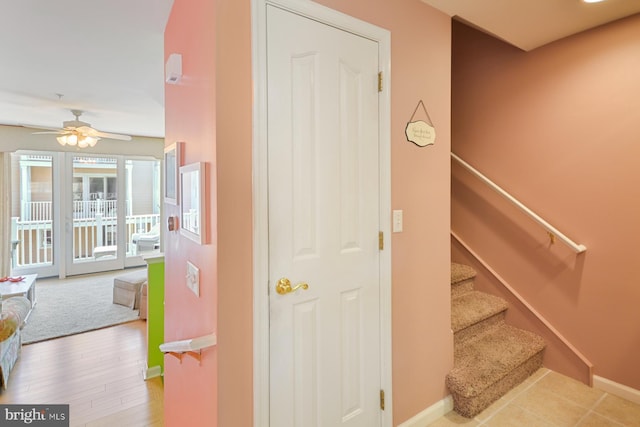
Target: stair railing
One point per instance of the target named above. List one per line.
(553, 232)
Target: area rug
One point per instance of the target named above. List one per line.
(74, 305)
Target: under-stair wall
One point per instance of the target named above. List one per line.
(545, 125)
(558, 355)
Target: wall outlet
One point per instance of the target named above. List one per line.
(193, 278)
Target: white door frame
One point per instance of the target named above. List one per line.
(260, 195)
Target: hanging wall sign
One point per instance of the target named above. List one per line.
(420, 132)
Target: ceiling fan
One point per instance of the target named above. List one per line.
(76, 132)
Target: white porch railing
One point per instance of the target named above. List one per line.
(554, 232)
(41, 211)
(35, 238)
(89, 209)
(34, 245)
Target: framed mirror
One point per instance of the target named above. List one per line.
(193, 215)
(172, 162)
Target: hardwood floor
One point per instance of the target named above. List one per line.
(98, 373)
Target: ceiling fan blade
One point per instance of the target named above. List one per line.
(89, 131)
(111, 136)
(54, 132)
(41, 127)
(79, 128)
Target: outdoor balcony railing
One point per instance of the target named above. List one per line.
(35, 238)
(41, 211)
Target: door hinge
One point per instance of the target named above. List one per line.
(380, 240)
(382, 399)
(380, 81)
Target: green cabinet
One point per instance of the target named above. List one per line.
(155, 315)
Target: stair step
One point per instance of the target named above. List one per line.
(473, 307)
(488, 366)
(461, 278)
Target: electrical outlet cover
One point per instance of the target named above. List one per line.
(193, 278)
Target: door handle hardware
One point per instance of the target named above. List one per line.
(284, 286)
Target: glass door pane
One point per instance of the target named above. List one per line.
(33, 230)
(143, 209)
(93, 232)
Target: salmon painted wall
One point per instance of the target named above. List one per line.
(190, 389)
(420, 69)
(220, 132)
(235, 213)
(558, 128)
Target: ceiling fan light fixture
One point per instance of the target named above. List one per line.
(91, 140)
(81, 134)
(87, 141)
(70, 139)
(80, 140)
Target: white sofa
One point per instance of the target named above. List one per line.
(12, 318)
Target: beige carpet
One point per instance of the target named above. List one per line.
(74, 305)
(490, 357)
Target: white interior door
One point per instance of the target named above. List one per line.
(323, 161)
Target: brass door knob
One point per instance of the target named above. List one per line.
(284, 286)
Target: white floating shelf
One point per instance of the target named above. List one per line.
(192, 347)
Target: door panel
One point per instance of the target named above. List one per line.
(323, 224)
(93, 222)
(35, 213)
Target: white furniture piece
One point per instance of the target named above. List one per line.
(105, 251)
(25, 288)
(126, 288)
(14, 312)
(145, 242)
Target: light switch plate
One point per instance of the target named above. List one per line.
(193, 278)
(397, 221)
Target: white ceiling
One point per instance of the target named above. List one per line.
(529, 24)
(106, 56)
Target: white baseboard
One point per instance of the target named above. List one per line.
(617, 389)
(154, 371)
(430, 414)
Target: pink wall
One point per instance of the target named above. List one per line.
(235, 213)
(190, 389)
(422, 341)
(558, 128)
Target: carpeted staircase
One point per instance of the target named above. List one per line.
(490, 357)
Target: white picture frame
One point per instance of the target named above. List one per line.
(193, 206)
(172, 163)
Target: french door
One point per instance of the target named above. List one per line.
(75, 214)
(35, 213)
(93, 225)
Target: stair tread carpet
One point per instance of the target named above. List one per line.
(473, 307)
(490, 357)
(461, 272)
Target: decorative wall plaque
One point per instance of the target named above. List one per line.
(420, 132)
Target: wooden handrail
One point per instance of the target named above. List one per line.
(554, 232)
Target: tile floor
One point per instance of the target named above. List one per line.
(549, 399)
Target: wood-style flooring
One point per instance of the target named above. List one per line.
(98, 373)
